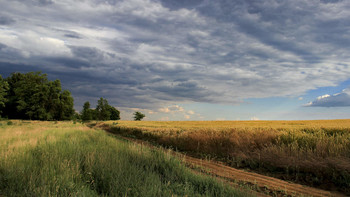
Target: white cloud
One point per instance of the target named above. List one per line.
(346, 91)
(254, 118)
(151, 112)
(33, 44)
(190, 112)
(164, 110)
(323, 96)
(164, 118)
(341, 99)
(171, 109)
(219, 119)
(177, 112)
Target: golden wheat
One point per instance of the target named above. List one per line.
(299, 150)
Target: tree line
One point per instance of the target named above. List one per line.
(32, 96)
(103, 111)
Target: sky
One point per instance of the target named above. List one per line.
(188, 59)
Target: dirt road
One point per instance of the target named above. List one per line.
(262, 184)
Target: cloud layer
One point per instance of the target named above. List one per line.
(341, 99)
(150, 54)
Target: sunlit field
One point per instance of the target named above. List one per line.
(219, 125)
(315, 153)
(70, 159)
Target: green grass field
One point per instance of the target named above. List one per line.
(315, 153)
(66, 159)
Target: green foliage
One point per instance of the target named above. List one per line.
(53, 98)
(3, 92)
(86, 114)
(103, 111)
(76, 116)
(114, 113)
(138, 116)
(66, 110)
(30, 92)
(33, 96)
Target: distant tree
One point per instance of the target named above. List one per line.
(76, 116)
(4, 87)
(114, 113)
(138, 116)
(94, 114)
(102, 109)
(86, 114)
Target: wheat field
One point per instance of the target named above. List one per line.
(316, 153)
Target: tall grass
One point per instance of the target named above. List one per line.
(65, 159)
(316, 153)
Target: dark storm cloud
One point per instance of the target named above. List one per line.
(88, 53)
(189, 4)
(8, 68)
(149, 53)
(72, 36)
(36, 2)
(265, 22)
(9, 54)
(4, 20)
(45, 2)
(73, 63)
(330, 1)
(187, 90)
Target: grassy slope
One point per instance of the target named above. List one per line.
(65, 159)
(316, 153)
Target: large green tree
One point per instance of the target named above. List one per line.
(86, 113)
(28, 96)
(66, 110)
(33, 96)
(4, 87)
(114, 113)
(102, 109)
(11, 104)
(53, 104)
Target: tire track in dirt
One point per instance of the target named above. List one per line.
(272, 186)
(263, 185)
